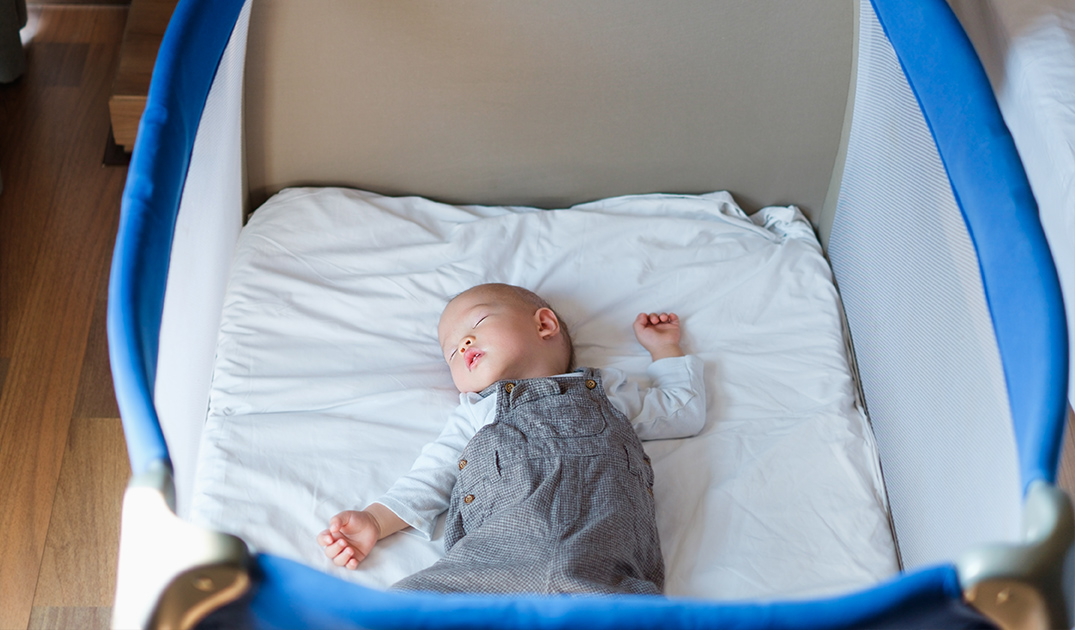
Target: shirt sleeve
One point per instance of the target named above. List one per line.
(423, 493)
(673, 408)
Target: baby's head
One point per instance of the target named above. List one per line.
(493, 332)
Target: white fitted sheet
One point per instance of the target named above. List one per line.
(329, 378)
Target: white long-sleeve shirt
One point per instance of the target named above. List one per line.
(673, 408)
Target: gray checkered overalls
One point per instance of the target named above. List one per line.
(554, 496)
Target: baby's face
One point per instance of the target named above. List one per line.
(487, 337)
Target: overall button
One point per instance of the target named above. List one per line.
(590, 383)
(509, 387)
(462, 464)
(468, 499)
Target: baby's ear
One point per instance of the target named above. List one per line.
(548, 324)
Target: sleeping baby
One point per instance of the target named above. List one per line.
(540, 468)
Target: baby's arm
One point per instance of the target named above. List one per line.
(351, 534)
(659, 334)
(675, 406)
(415, 499)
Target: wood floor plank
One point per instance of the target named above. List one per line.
(35, 410)
(78, 24)
(1066, 475)
(27, 193)
(61, 64)
(79, 564)
(73, 212)
(71, 618)
(70, 2)
(96, 397)
(33, 145)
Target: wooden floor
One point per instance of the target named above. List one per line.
(63, 463)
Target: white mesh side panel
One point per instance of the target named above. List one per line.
(210, 217)
(927, 355)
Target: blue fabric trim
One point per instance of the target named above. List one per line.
(994, 195)
(291, 595)
(184, 71)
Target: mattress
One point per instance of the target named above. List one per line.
(328, 376)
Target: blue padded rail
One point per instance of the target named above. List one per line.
(1018, 273)
(930, 598)
(184, 71)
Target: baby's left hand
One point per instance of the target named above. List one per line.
(659, 334)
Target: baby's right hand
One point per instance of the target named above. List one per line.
(349, 538)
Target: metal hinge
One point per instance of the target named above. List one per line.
(1021, 586)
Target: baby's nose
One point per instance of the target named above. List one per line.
(466, 343)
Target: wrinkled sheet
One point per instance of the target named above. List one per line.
(329, 378)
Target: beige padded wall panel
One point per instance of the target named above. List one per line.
(548, 103)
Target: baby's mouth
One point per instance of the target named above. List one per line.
(472, 356)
